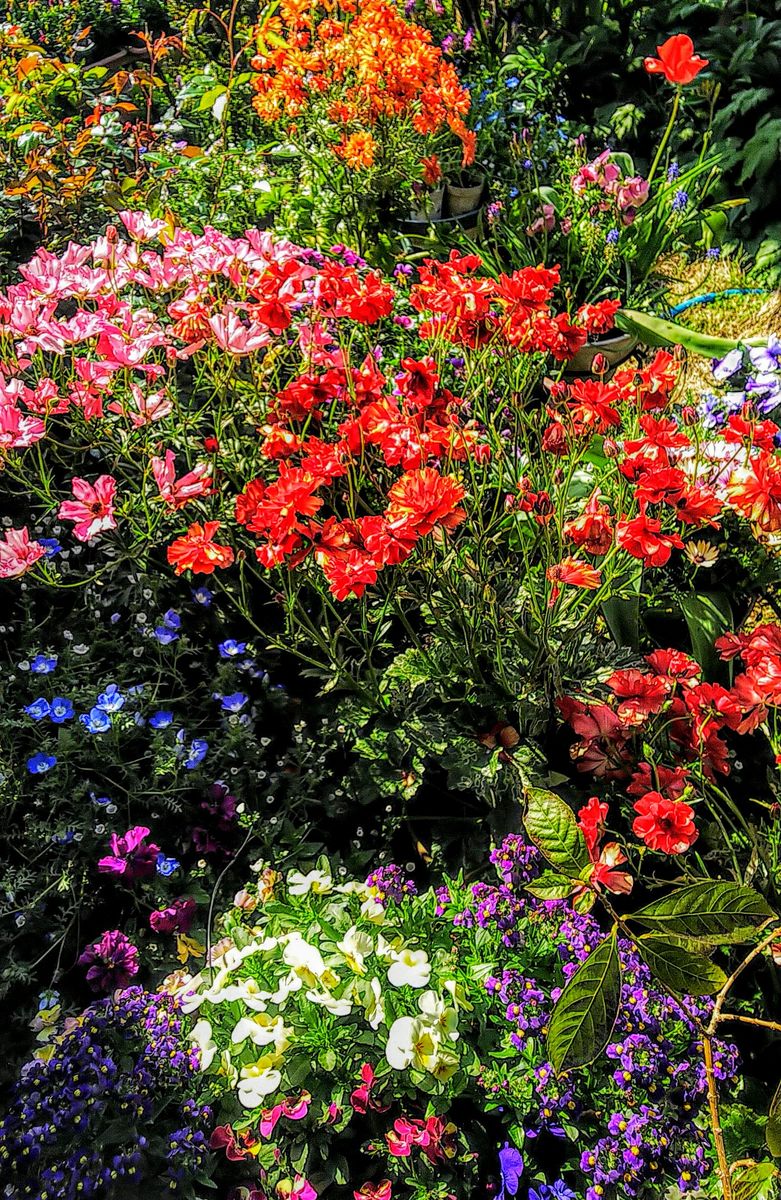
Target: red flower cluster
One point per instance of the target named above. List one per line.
(434, 1137)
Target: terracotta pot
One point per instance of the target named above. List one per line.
(462, 200)
(429, 207)
(615, 347)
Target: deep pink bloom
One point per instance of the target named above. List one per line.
(93, 508)
(132, 857)
(18, 554)
(112, 962)
(177, 918)
(178, 492)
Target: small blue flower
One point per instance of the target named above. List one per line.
(165, 636)
(161, 719)
(96, 720)
(202, 595)
(39, 764)
(50, 545)
(673, 171)
(197, 753)
(172, 620)
(62, 839)
(512, 81)
(61, 710)
(234, 703)
(511, 1169)
(38, 709)
(166, 866)
(111, 700)
(43, 664)
(231, 648)
(101, 801)
(612, 237)
(552, 1191)
(680, 200)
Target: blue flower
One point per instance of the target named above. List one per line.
(202, 595)
(166, 866)
(197, 753)
(511, 1169)
(43, 664)
(39, 764)
(172, 620)
(165, 636)
(512, 81)
(673, 171)
(231, 648)
(96, 720)
(161, 719)
(767, 358)
(111, 700)
(60, 709)
(680, 200)
(38, 709)
(612, 237)
(234, 703)
(102, 801)
(724, 367)
(50, 545)
(552, 1191)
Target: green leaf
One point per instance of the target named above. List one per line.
(712, 912)
(550, 886)
(773, 1127)
(708, 615)
(551, 825)
(755, 1182)
(622, 613)
(679, 968)
(656, 331)
(584, 1016)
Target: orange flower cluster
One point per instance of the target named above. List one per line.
(367, 64)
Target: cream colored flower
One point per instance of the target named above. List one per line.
(409, 968)
(258, 1080)
(356, 947)
(339, 1006)
(318, 882)
(201, 1036)
(262, 1030)
(412, 1042)
(374, 1004)
(443, 1019)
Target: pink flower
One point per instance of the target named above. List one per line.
(296, 1189)
(178, 492)
(112, 962)
(17, 431)
(140, 226)
(177, 918)
(149, 407)
(545, 222)
(132, 857)
(233, 335)
(93, 508)
(18, 554)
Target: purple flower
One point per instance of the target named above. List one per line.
(767, 359)
(112, 961)
(230, 648)
(680, 200)
(132, 856)
(177, 918)
(725, 367)
(510, 1169)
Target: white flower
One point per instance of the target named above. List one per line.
(412, 1042)
(356, 947)
(459, 995)
(201, 1035)
(410, 967)
(307, 962)
(262, 1030)
(372, 910)
(315, 881)
(258, 1080)
(443, 1019)
(374, 1004)
(339, 1006)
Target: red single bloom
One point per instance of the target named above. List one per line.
(664, 825)
(422, 500)
(573, 571)
(639, 694)
(677, 60)
(198, 552)
(642, 537)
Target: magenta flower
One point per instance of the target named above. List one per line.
(112, 962)
(132, 856)
(93, 509)
(177, 918)
(18, 554)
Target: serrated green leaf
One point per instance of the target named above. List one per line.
(680, 968)
(550, 886)
(585, 1013)
(773, 1127)
(551, 825)
(712, 912)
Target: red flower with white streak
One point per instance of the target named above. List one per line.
(198, 552)
(178, 492)
(642, 537)
(18, 554)
(93, 509)
(573, 571)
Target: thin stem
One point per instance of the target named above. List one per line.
(715, 1120)
(666, 136)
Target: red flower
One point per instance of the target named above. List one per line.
(677, 60)
(755, 491)
(591, 820)
(593, 529)
(664, 825)
(422, 500)
(374, 1191)
(639, 694)
(598, 318)
(198, 552)
(670, 781)
(573, 571)
(642, 537)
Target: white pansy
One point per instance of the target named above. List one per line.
(412, 1042)
(372, 910)
(353, 888)
(443, 1018)
(356, 947)
(201, 1036)
(374, 1004)
(458, 995)
(314, 881)
(262, 1030)
(339, 1006)
(385, 950)
(409, 968)
(258, 1080)
(307, 962)
(445, 1065)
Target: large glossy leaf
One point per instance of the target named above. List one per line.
(773, 1128)
(708, 615)
(585, 1013)
(551, 825)
(680, 968)
(656, 331)
(710, 911)
(550, 885)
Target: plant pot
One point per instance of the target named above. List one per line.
(419, 232)
(429, 207)
(615, 347)
(462, 200)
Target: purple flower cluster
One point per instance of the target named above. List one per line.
(516, 861)
(496, 908)
(390, 884)
(116, 1066)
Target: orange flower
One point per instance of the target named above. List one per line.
(573, 571)
(358, 150)
(423, 499)
(198, 552)
(677, 60)
(432, 171)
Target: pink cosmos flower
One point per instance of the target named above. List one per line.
(178, 492)
(233, 335)
(132, 857)
(140, 226)
(17, 431)
(93, 508)
(18, 554)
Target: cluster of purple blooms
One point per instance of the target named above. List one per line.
(756, 382)
(123, 1064)
(648, 1132)
(390, 884)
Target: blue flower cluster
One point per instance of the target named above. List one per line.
(117, 1067)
